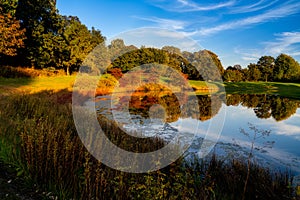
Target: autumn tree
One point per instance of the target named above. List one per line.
(11, 34)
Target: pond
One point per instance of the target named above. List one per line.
(228, 122)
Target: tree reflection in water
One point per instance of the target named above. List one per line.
(265, 106)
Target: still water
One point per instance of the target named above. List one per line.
(231, 124)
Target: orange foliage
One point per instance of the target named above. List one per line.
(11, 35)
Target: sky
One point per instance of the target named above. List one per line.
(238, 31)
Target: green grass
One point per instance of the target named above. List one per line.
(202, 85)
(290, 90)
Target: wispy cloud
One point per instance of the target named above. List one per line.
(165, 23)
(262, 4)
(158, 37)
(271, 11)
(284, 10)
(283, 43)
(250, 55)
(190, 6)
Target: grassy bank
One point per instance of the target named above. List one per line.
(290, 90)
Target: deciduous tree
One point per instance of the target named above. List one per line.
(43, 26)
(286, 68)
(266, 65)
(11, 34)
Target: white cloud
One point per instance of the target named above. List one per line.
(283, 43)
(158, 37)
(262, 4)
(284, 128)
(248, 54)
(284, 10)
(165, 23)
(190, 6)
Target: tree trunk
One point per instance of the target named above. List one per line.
(68, 71)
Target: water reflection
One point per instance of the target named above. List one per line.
(140, 104)
(281, 114)
(264, 106)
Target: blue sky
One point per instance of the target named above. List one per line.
(238, 31)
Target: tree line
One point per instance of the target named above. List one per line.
(284, 68)
(200, 65)
(34, 34)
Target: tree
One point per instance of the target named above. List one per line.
(115, 72)
(266, 65)
(237, 67)
(97, 37)
(8, 7)
(254, 74)
(172, 50)
(116, 48)
(208, 64)
(43, 26)
(233, 75)
(79, 42)
(216, 61)
(11, 34)
(286, 68)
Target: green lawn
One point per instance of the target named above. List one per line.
(291, 90)
(203, 88)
